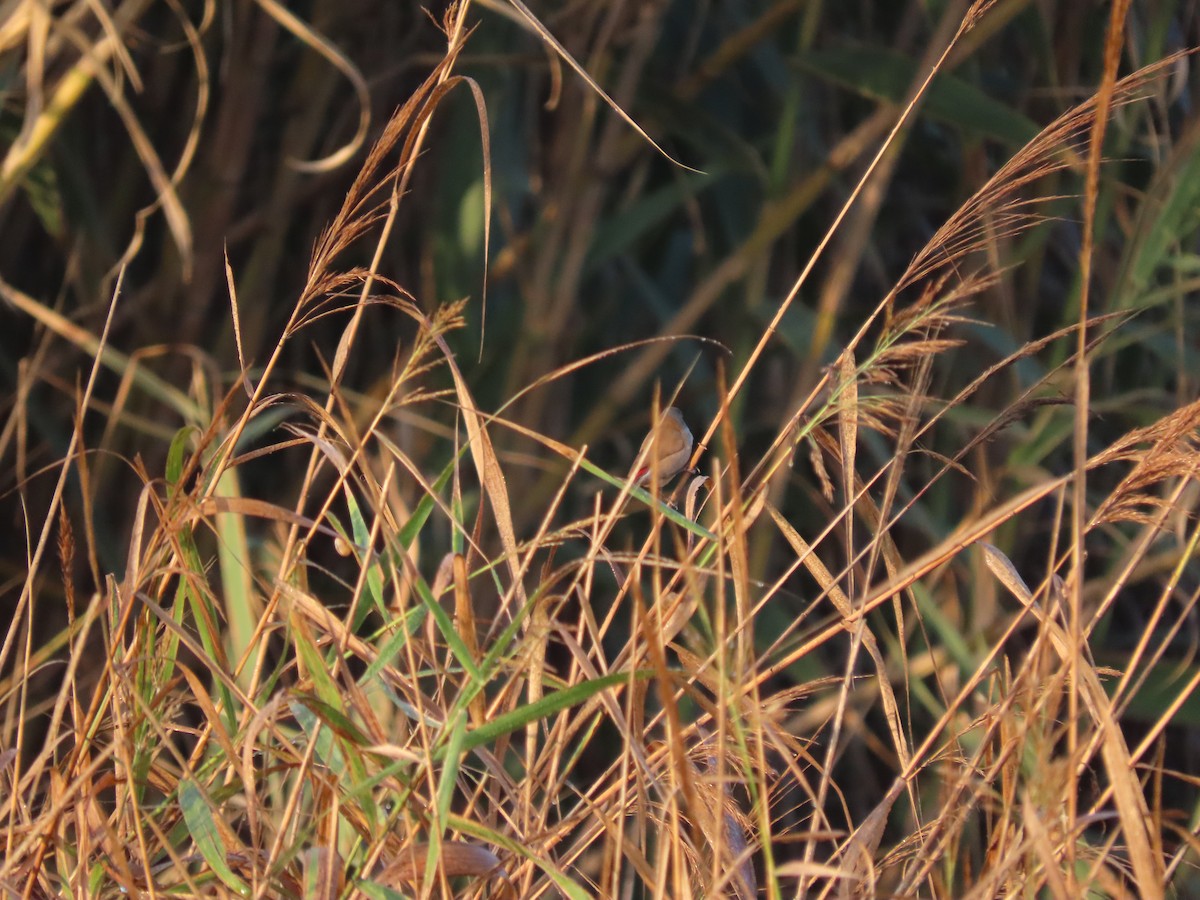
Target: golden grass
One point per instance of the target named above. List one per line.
(294, 696)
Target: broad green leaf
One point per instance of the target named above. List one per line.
(237, 586)
(448, 781)
(1170, 216)
(374, 579)
(177, 453)
(517, 848)
(316, 667)
(377, 891)
(883, 74)
(1162, 686)
(547, 706)
(337, 720)
(197, 814)
(623, 229)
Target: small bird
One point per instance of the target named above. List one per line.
(670, 443)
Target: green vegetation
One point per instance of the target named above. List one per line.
(332, 331)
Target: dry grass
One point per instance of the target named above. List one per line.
(343, 657)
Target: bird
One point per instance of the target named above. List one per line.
(670, 443)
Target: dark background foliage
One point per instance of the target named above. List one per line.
(597, 240)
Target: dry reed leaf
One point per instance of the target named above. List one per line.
(859, 850)
(98, 350)
(178, 222)
(444, 576)
(491, 475)
(544, 33)
(464, 623)
(810, 870)
(689, 504)
(321, 45)
(31, 24)
(324, 873)
(454, 858)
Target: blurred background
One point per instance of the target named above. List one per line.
(597, 240)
